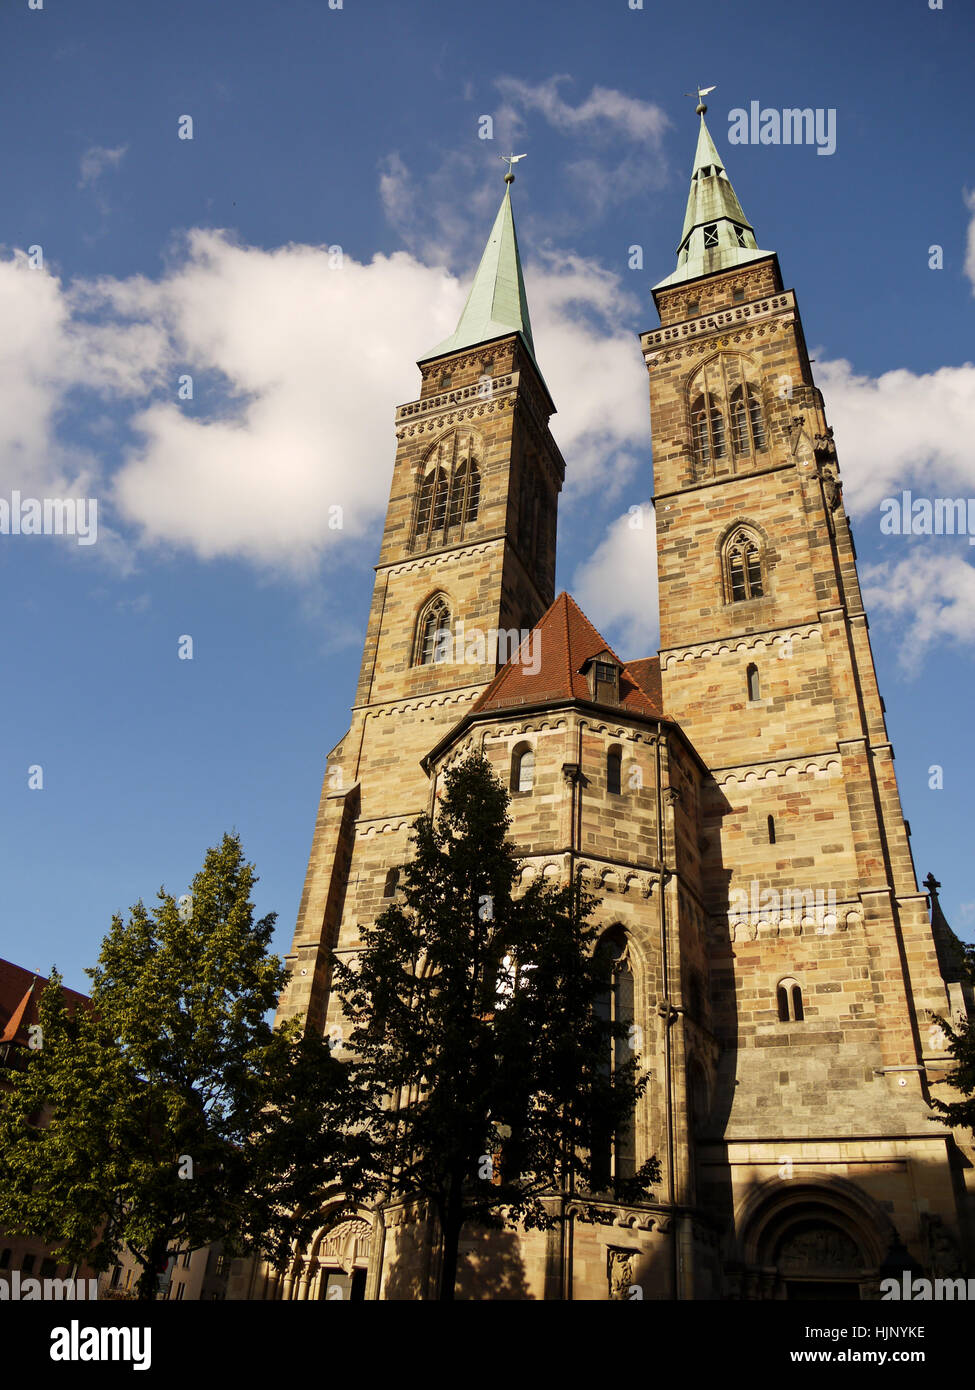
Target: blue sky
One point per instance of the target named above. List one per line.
(358, 129)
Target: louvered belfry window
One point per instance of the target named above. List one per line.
(448, 494)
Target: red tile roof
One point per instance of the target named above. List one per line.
(565, 640)
(20, 992)
(646, 673)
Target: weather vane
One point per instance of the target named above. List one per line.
(510, 159)
(700, 93)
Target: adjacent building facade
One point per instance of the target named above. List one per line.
(732, 800)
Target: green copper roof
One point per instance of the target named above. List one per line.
(712, 204)
(497, 303)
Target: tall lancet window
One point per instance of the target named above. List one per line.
(747, 421)
(707, 424)
(614, 1155)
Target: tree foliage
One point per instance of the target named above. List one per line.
(170, 1112)
(961, 1046)
(475, 1011)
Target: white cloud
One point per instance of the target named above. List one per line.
(96, 159)
(605, 110)
(617, 586)
(901, 429)
(617, 140)
(970, 239)
(593, 370)
(297, 365)
(930, 597)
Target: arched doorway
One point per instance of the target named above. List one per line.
(343, 1261)
(812, 1241)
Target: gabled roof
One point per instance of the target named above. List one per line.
(497, 304)
(20, 994)
(563, 640)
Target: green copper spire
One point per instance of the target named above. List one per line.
(716, 234)
(497, 303)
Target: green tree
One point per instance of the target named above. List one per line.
(961, 1046)
(171, 1112)
(476, 1033)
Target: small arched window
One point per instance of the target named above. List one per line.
(747, 421)
(771, 830)
(788, 997)
(614, 771)
(433, 631)
(523, 768)
(391, 884)
(743, 567)
(707, 427)
(754, 685)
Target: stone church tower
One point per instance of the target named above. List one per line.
(733, 801)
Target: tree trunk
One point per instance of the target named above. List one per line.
(451, 1221)
(156, 1263)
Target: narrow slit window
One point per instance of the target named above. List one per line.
(754, 685)
(771, 830)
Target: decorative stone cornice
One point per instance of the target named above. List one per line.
(422, 702)
(708, 324)
(757, 926)
(489, 405)
(750, 774)
(439, 558)
(768, 640)
(446, 400)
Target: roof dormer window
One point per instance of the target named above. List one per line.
(602, 674)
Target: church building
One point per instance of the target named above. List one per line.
(732, 799)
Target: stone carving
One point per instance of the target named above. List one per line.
(824, 448)
(820, 1247)
(619, 1268)
(944, 1259)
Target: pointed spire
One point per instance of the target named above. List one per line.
(497, 304)
(716, 234)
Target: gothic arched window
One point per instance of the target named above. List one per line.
(614, 1155)
(523, 768)
(742, 563)
(449, 492)
(707, 425)
(432, 632)
(747, 421)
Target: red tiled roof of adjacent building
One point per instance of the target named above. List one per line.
(20, 993)
(567, 640)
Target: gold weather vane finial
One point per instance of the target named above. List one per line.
(700, 93)
(510, 159)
